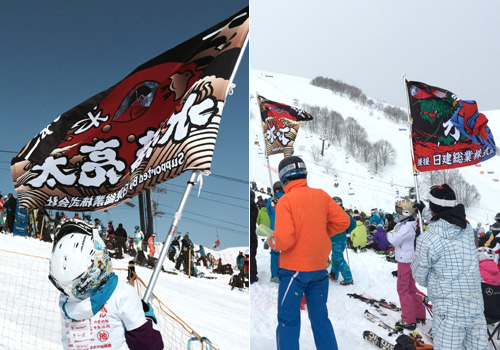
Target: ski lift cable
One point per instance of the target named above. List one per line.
(213, 200)
(214, 193)
(388, 190)
(351, 175)
(206, 224)
(205, 216)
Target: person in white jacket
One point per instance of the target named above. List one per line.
(402, 237)
(446, 263)
(97, 311)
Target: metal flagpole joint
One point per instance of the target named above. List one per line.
(168, 239)
(415, 172)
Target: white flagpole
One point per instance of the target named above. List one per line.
(265, 146)
(178, 214)
(168, 239)
(230, 85)
(415, 171)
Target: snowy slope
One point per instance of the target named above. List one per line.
(209, 306)
(371, 273)
(369, 193)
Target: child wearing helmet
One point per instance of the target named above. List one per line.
(402, 237)
(96, 309)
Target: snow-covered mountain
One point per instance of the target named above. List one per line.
(370, 190)
(371, 272)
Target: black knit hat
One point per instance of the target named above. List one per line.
(441, 198)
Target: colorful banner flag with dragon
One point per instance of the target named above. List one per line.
(281, 125)
(447, 132)
(158, 122)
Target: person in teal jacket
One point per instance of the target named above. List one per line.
(339, 242)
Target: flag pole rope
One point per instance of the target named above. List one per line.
(168, 239)
(415, 171)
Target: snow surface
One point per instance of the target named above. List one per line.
(209, 306)
(371, 272)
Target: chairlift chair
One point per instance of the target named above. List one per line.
(351, 190)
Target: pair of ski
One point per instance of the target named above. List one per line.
(377, 341)
(381, 343)
(377, 320)
(378, 304)
(395, 330)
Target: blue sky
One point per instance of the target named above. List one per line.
(57, 54)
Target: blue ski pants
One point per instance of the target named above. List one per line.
(314, 286)
(274, 263)
(338, 262)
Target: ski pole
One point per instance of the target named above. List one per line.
(347, 253)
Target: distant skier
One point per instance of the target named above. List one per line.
(10, 206)
(240, 261)
(216, 244)
(184, 257)
(339, 243)
(138, 237)
(151, 245)
(80, 268)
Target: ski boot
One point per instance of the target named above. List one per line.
(421, 320)
(332, 276)
(344, 283)
(405, 325)
(275, 279)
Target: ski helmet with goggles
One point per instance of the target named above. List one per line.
(278, 187)
(337, 200)
(80, 263)
(292, 168)
(485, 253)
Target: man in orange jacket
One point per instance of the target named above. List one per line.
(306, 218)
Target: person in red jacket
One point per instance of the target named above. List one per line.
(305, 220)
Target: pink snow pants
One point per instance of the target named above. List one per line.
(412, 305)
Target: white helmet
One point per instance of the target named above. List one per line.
(485, 253)
(80, 263)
